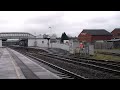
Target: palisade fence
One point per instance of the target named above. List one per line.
(103, 45)
(87, 51)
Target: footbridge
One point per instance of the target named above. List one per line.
(21, 36)
(16, 35)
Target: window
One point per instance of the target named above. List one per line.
(42, 41)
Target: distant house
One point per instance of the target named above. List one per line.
(93, 35)
(116, 33)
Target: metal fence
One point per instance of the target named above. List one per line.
(103, 45)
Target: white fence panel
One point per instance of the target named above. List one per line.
(61, 46)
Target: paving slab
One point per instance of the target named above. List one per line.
(38, 70)
(7, 66)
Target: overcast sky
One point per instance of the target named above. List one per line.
(71, 22)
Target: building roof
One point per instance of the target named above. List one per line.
(117, 29)
(96, 31)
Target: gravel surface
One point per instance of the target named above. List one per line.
(81, 70)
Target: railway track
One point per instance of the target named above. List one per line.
(66, 74)
(87, 59)
(113, 65)
(69, 56)
(104, 67)
(110, 64)
(110, 68)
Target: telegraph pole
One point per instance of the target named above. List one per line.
(48, 38)
(35, 40)
(51, 34)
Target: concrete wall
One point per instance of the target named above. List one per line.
(39, 42)
(42, 42)
(31, 42)
(61, 46)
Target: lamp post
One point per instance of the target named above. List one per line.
(51, 34)
(35, 42)
(48, 38)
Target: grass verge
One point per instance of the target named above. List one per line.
(105, 57)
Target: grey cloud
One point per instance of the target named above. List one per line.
(45, 19)
(3, 21)
(55, 21)
(59, 26)
(99, 20)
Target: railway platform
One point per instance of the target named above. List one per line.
(14, 65)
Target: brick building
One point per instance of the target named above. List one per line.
(92, 35)
(116, 33)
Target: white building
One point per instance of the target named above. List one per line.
(40, 42)
(66, 42)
